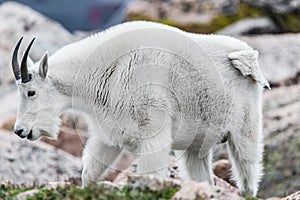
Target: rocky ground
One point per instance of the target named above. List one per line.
(23, 162)
(282, 133)
(48, 160)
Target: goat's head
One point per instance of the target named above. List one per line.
(37, 114)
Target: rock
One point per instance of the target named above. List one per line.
(294, 196)
(182, 12)
(8, 124)
(223, 184)
(222, 169)
(202, 190)
(69, 140)
(278, 56)
(151, 182)
(122, 164)
(122, 178)
(188, 189)
(210, 16)
(250, 26)
(20, 21)
(138, 7)
(282, 142)
(284, 13)
(54, 184)
(281, 110)
(24, 162)
(108, 184)
(26, 195)
(185, 14)
(10, 99)
(74, 121)
(275, 6)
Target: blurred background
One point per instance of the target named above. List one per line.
(270, 26)
(85, 15)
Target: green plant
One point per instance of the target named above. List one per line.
(101, 192)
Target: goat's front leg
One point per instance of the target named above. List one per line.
(153, 156)
(96, 158)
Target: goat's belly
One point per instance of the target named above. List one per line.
(182, 144)
(186, 136)
(193, 135)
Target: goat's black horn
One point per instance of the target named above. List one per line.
(24, 70)
(14, 62)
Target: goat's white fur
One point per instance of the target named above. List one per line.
(219, 99)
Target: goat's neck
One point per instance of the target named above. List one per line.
(71, 100)
(79, 92)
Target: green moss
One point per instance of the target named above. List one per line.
(92, 192)
(251, 198)
(7, 192)
(139, 16)
(288, 22)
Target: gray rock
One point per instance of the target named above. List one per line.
(222, 169)
(27, 194)
(284, 13)
(278, 55)
(9, 101)
(19, 20)
(202, 190)
(294, 196)
(281, 110)
(181, 12)
(276, 6)
(24, 162)
(250, 26)
(282, 142)
(55, 184)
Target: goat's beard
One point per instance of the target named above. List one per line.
(51, 130)
(34, 136)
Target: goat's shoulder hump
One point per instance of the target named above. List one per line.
(221, 41)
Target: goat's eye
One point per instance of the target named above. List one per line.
(31, 93)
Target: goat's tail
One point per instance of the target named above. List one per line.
(247, 62)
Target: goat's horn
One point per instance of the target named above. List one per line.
(24, 70)
(14, 62)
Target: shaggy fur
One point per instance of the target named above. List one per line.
(148, 88)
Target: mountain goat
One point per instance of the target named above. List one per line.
(148, 88)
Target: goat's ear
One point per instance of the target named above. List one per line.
(43, 68)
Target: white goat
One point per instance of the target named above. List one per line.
(148, 88)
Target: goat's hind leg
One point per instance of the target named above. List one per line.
(194, 167)
(246, 152)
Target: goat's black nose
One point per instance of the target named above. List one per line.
(18, 131)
